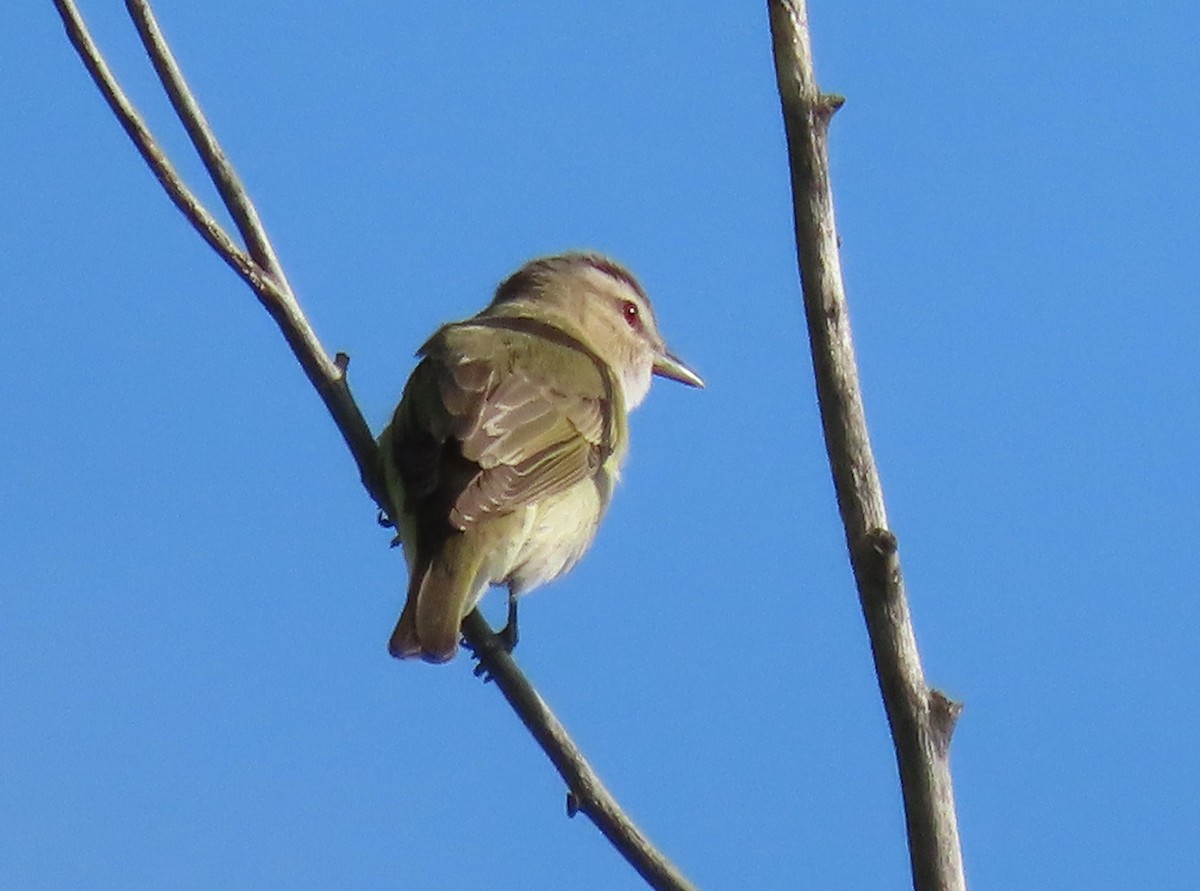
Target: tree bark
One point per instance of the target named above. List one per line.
(921, 719)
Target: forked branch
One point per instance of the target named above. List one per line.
(921, 719)
(259, 267)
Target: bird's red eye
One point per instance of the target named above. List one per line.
(632, 316)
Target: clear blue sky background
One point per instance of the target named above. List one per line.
(195, 598)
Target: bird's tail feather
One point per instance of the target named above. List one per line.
(440, 594)
(404, 643)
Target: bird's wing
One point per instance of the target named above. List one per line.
(499, 414)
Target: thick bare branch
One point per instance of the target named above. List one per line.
(263, 272)
(921, 719)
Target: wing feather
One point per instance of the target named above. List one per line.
(486, 427)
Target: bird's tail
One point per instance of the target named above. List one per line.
(440, 594)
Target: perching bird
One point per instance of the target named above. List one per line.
(503, 452)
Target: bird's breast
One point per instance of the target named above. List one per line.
(557, 531)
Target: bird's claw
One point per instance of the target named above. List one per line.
(504, 639)
(480, 670)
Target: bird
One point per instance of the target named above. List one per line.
(503, 452)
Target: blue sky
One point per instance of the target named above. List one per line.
(195, 598)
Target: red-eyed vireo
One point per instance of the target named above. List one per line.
(503, 452)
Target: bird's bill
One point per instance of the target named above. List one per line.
(667, 365)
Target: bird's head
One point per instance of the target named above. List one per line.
(600, 303)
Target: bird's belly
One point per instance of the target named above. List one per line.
(557, 531)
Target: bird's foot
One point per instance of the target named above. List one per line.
(508, 635)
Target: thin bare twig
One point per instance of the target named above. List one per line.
(586, 794)
(261, 270)
(224, 177)
(189, 205)
(274, 293)
(921, 719)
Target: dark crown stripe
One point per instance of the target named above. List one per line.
(615, 270)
